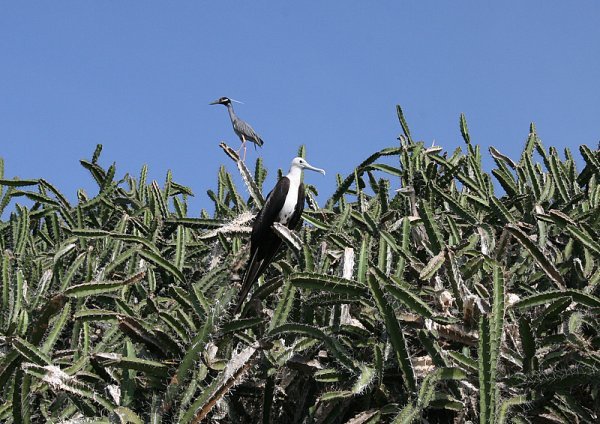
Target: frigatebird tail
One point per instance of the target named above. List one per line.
(250, 276)
(257, 265)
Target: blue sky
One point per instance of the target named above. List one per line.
(138, 76)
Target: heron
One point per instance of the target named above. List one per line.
(243, 130)
(284, 204)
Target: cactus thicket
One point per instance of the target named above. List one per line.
(424, 289)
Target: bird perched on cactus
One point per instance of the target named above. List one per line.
(284, 204)
(243, 130)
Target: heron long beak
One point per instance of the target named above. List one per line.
(313, 168)
(216, 102)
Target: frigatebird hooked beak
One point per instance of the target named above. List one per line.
(284, 204)
(242, 129)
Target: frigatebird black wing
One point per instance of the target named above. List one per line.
(268, 214)
(264, 243)
(295, 219)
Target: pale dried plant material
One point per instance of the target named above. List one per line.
(235, 226)
(347, 273)
(446, 300)
(423, 365)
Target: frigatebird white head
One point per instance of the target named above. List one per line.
(300, 163)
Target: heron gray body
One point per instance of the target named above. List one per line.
(284, 204)
(241, 128)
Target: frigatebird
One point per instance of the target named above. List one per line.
(242, 129)
(284, 204)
